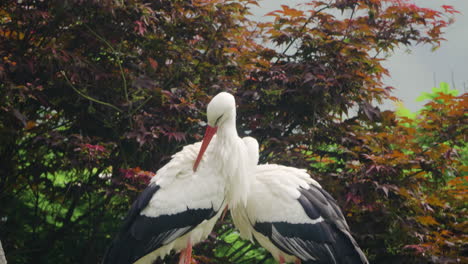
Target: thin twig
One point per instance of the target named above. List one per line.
(141, 105)
(119, 63)
(345, 35)
(301, 31)
(89, 97)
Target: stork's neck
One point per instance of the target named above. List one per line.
(228, 130)
(227, 140)
(231, 155)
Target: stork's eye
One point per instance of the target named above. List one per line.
(217, 119)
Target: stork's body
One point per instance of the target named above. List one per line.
(183, 201)
(292, 217)
(172, 213)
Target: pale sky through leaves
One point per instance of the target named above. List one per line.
(416, 69)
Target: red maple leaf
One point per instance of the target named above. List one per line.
(449, 9)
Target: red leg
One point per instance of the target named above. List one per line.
(188, 253)
(182, 256)
(224, 212)
(281, 260)
(298, 261)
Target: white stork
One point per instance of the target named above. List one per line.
(291, 216)
(183, 201)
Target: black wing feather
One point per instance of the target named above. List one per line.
(327, 241)
(141, 235)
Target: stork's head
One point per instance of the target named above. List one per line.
(220, 109)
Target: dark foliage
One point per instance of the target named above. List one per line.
(97, 94)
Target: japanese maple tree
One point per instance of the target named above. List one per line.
(97, 95)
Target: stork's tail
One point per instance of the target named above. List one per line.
(346, 251)
(356, 255)
(120, 251)
(349, 252)
(357, 249)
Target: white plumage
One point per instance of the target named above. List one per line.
(279, 184)
(183, 186)
(291, 216)
(284, 209)
(180, 191)
(183, 201)
(165, 222)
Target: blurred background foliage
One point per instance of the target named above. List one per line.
(97, 95)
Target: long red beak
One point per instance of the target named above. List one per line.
(209, 133)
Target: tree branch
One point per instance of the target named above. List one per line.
(301, 31)
(87, 96)
(122, 73)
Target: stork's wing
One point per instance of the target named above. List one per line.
(142, 234)
(176, 201)
(324, 239)
(301, 219)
